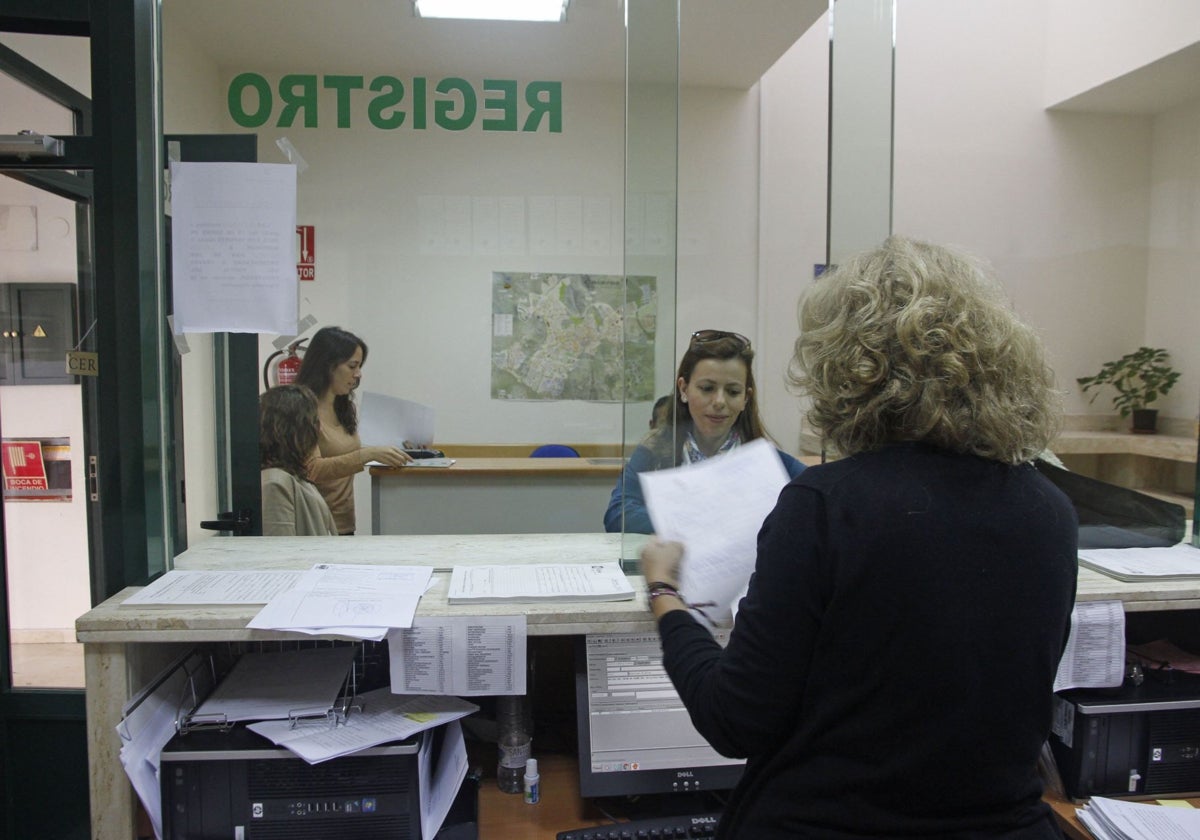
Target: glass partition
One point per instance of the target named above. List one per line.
(651, 199)
(463, 187)
(860, 125)
(444, 160)
(477, 190)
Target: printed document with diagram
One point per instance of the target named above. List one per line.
(347, 599)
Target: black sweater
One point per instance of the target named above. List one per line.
(890, 672)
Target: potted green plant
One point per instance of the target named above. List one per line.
(1140, 378)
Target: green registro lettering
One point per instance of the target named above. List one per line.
(387, 102)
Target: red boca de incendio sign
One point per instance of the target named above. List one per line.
(24, 467)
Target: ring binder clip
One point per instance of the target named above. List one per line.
(196, 687)
(193, 722)
(292, 686)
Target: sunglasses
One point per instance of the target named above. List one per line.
(706, 336)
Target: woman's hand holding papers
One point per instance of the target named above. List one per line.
(389, 456)
(660, 566)
(661, 560)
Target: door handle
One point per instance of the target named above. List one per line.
(237, 522)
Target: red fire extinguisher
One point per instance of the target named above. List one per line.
(282, 366)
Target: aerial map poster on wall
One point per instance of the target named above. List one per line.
(560, 336)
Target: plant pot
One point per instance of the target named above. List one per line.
(1145, 421)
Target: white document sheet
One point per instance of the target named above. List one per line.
(441, 783)
(1095, 654)
(279, 685)
(716, 508)
(147, 724)
(462, 655)
(1133, 564)
(347, 596)
(391, 421)
(233, 250)
(535, 582)
(377, 717)
(1115, 819)
(180, 587)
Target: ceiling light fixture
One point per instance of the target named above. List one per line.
(542, 10)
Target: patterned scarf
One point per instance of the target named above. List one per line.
(693, 455)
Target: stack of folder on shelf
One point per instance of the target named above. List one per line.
(1116, 819)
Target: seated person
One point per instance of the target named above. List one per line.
(660, 415)
(715, 410)
(288, 427)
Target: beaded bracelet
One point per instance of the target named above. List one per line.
(658, 588)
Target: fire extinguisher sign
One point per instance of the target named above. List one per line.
(306, 269)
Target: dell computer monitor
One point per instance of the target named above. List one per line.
(635, 736)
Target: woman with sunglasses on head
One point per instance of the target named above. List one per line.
(890, 673)
(716, 410)
(288, 428)
(332, 369)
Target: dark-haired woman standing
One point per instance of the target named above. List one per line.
(332, 369)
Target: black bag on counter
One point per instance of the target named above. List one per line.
(1117, 517)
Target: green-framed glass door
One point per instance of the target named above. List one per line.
(44, 520)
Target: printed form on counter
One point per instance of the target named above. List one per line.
(537, 582)
(460, 655)
(1095, 652)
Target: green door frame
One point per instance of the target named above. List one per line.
(43, 744)
(138, 485)
(42, 731)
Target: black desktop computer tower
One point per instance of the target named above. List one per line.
(1135, 741)
(236, 785)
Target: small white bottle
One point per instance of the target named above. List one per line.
(532, 779)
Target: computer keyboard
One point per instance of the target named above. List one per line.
(681, 827)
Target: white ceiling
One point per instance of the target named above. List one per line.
(724, 43)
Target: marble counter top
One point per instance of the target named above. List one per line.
(520, 467)
(113, 622)
(1119, 443)
(1090, 442)
(442, 551)
(1139, 597)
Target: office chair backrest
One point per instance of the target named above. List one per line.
(554, 450)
